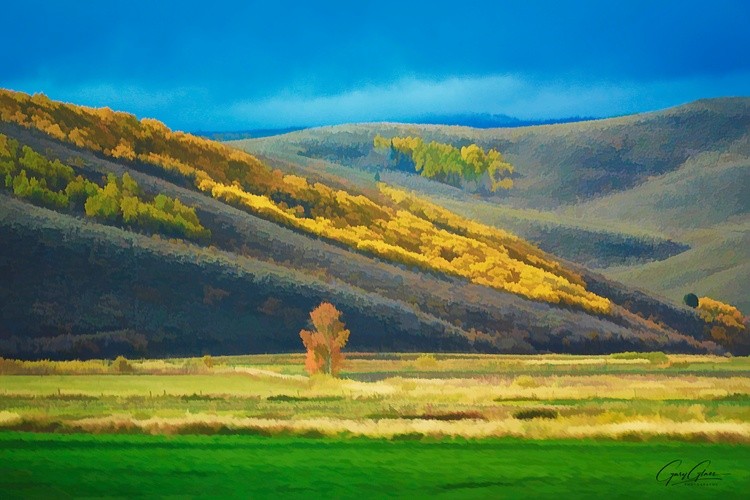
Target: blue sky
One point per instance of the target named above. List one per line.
(241, 65)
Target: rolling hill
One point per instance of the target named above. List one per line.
(121, 236)
(657, 200)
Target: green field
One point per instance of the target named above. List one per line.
(38, 465)
(410, 425)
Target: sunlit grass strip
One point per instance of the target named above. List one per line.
(390, 428)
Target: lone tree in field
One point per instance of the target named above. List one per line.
(325, 342)
(691, 300)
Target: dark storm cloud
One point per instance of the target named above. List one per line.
(234, 65)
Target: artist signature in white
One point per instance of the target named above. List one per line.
(673, 474)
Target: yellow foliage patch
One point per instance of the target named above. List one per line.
(408, 230)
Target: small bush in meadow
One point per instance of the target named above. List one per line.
(533, 413)
(122, 365)
(426, 361)
(526, 381)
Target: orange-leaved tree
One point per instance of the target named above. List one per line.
(325, 342)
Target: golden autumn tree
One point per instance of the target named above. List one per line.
(325, 342)
(727, 324)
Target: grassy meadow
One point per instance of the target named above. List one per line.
(622, 396)
(454, 425)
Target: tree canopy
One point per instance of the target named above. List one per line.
(52, 184)
(325, 342)
(726, 323)
(450, 165)
(691, 300)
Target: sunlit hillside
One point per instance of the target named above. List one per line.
(482, 254)
(657, 200)
(122, 236)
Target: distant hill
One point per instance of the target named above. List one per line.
(658, 200)
(246, 134)
(556, 164)
(485, 120)
(104, 275)
(475, 120)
